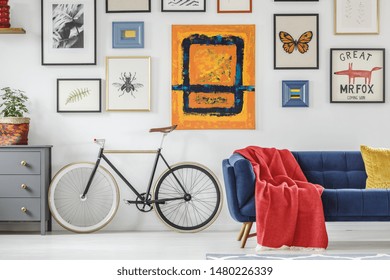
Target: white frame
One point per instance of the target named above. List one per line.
(353, 19)
(69, 56)
(118, 98)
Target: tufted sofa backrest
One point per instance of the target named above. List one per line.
(333, 170)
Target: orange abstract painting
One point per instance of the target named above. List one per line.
(213, 76)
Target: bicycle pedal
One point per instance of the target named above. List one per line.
(128, 202)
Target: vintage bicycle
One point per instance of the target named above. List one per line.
(84, 197)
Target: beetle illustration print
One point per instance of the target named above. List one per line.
(127, 85)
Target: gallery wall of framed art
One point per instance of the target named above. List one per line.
(208, 103)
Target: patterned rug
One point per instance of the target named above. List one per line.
(297, 257)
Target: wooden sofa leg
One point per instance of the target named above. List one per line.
(246, 230)
(241, 232)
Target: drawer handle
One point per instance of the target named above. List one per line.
(23, 186)
(23, 163)
(23, 209)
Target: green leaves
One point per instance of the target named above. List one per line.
(13, 103)
(77, 95)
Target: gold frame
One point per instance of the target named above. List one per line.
(148, 58)
(356, 33)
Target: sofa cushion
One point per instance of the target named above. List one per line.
(356, 205)
(333, 170)
(377, 163)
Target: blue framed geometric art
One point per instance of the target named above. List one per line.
(127, 34)
(295, 93)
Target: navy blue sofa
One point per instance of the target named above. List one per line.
(342, 174)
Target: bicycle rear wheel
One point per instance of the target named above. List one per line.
(197, 211)
(79, 214)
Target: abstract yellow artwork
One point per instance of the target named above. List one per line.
(213, 76)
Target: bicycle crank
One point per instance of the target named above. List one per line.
(142, 204)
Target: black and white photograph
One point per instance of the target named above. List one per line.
(68, 32)
(68, 26)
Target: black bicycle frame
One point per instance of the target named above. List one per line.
(142, 199)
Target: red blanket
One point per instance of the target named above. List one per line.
(288, 208)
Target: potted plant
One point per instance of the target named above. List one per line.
(13, 125)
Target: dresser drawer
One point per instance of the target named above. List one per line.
(20, 186)
(11, 209)
(12, 162)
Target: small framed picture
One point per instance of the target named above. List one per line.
(127, 35)
(357, 75)
(128, 6)
(234, 6)
(68, 32)
(295, 93)
(296, 40)
(183, 5)
(128, 83)
(79, 95)
(296, 0)
(356, 16)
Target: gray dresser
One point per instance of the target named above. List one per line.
(25, 174)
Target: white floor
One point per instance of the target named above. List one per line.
(169, 245)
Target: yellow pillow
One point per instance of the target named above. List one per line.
(377, 163)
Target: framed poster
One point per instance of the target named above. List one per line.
(213, 76)
(296, 40)
(234, 6)
(128, 6)
(79, 95)
(295, 93)
(357, 75)
(68, 32)
(356, 16)
(183, 6)
(128, 83)
(127, 34)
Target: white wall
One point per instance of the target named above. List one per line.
(322, 126)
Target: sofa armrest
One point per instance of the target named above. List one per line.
(239, 181)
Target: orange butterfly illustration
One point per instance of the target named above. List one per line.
(289, 44)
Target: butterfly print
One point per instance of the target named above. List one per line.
(289, 44)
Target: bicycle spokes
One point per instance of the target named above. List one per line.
(198, 208)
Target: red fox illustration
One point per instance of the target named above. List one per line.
(353, 74)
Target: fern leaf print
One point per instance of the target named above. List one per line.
(77, 95)
(361, 13)
(348, 9)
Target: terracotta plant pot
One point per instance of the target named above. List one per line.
(4, 14)
(14, 131)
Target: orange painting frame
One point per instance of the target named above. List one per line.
(213, 76)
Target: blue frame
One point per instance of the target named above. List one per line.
(120, 41)
(295, 93)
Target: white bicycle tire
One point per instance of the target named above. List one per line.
(91, 213)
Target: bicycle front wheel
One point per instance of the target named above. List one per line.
(79, 214)
(199, 208)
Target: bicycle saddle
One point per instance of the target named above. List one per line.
(164, 129)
